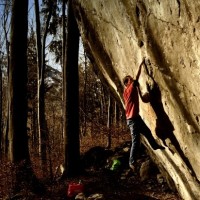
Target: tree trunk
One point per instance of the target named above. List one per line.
(40, 92)
(5, 129)
(42, 128)
(18, 142)
(18, 139)
(23, 177)
(109, 122)
(39, 67)
(84, 97)
(116, 120)
(1, 110)
(71, 96)
(63, 53)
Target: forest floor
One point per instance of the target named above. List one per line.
(102, 183)
(98, 184)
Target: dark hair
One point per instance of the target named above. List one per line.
(126, 79)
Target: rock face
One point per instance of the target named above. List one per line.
(117, 34)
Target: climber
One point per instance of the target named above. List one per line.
(134, 121)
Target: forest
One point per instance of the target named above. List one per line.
(53, 104)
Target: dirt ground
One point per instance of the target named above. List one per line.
(109, 185)
(97, 184)
(100, 183)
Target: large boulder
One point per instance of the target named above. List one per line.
(117, 34)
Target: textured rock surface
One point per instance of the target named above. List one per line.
(117, 34)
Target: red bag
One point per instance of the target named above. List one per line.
(74, 189)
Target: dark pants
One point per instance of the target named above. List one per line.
(136, 127)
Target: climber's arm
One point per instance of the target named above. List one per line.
(139, 70)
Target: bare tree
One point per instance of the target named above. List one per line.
(63, 47)
(41, 46)
(109, 122)
(18, 140)
(24, 176)
(40, 93)
(5, 25)
(1, 107)
(71, 97)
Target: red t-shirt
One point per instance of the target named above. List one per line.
(131, 100)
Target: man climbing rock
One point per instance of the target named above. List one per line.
(134, 121)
